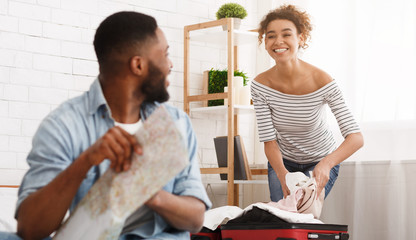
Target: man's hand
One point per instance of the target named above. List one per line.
(117, 145)
(51, 202)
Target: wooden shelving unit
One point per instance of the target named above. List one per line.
(231, 38)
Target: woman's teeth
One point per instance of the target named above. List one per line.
(280, 50)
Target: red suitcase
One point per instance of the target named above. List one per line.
(283, 231)
(207, 234)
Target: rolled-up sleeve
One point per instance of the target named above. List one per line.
(49, 157)
(188, 182)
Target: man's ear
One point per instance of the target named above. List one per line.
(138, 65)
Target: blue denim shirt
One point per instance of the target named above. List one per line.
(74, 126)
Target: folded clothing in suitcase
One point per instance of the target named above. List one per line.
(259, 224)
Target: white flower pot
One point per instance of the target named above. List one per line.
(237, 23)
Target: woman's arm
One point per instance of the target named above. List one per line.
(273, 154)
(350, 145)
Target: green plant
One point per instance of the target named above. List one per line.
(217, 80)
(231, 10)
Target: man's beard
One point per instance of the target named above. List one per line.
(154, 85)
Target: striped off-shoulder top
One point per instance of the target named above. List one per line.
(299, 123)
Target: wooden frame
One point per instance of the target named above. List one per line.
(232, 118)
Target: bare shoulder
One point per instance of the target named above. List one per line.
(320, 77)
(264, 77)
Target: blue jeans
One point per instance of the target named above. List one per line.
(275, 188)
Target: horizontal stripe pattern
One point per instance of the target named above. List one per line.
(298, 122)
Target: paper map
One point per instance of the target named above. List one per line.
(102, 212)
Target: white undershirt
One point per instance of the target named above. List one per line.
(130, 127)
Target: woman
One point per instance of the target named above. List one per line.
(289, 100)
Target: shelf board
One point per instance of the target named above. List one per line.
(219, 37)
(236, 181)
(238, 109)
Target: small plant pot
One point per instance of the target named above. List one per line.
(237, 23)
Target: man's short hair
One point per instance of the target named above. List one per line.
(122, 33)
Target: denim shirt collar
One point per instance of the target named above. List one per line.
(96, 97)
(97, 100)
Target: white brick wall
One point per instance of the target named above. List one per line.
(12, 41)
(47, 95)
(42, 45)
(52, 63)
(23, 60)
(28, 110)
(29, 77)
(7, 57)
(9, 24)
(10, 126)
(4, 108)
(16, 92)
(4, 143)
(30, 27)
(61, 32)
(70, 18)
(31, 11)
(78, 50)
(4, 74)
(46, 57)
(4, 6)
(85, 67)
(1, 91)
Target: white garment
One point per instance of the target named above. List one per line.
(221, 215)
(302, 198)
(130, 127)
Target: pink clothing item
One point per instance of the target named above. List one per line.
(310, 203)
(302, 198)
(290, 202)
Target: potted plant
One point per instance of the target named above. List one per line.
(217, 80)
(232, 10)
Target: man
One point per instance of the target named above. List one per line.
(77, 142)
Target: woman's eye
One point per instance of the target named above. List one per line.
(286, 35)
(271, 36)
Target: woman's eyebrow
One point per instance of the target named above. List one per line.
(284, 30)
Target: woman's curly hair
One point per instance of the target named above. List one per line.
(291, 13)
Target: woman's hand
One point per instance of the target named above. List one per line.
(321, 174)
(282, 178)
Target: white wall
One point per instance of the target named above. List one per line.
(47, 57)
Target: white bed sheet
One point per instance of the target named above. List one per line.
(8, 198)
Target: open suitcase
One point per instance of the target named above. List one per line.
(207, 234)
(283, 231)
